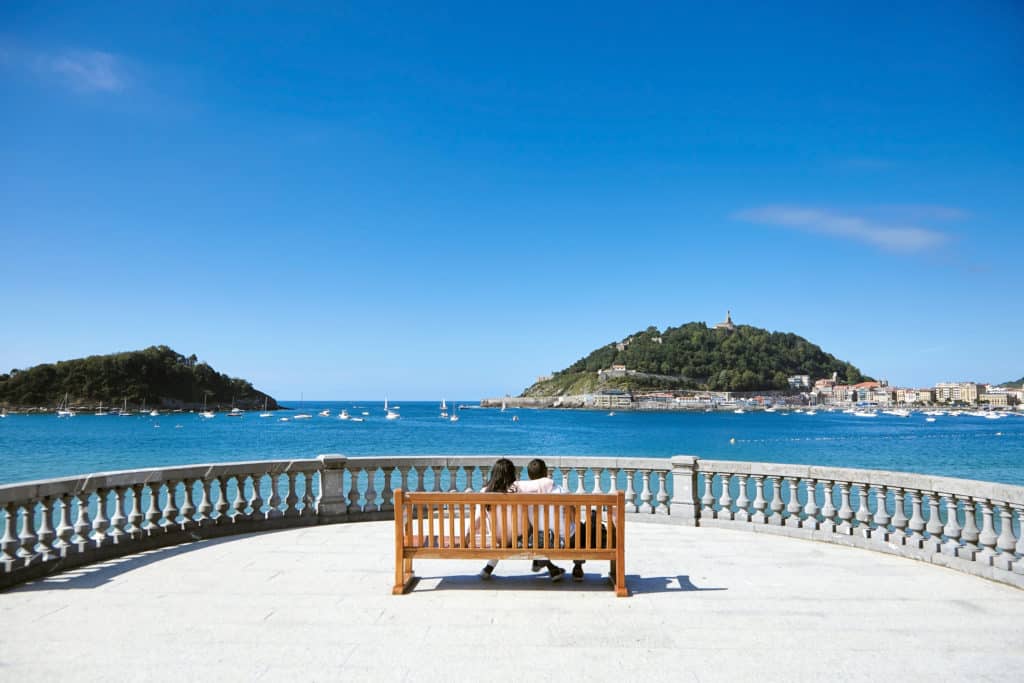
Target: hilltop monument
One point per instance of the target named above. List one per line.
(727, 323)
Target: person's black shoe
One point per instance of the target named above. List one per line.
(556, 574)
(536, 566)
(577, 573)
(485, 573)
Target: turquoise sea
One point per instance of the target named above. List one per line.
(44, 446)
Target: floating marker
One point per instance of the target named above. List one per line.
(732, 440)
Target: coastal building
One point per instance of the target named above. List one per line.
(613, 399)
(957, 392)
(995, 398)
(616, 370)
(799, 381)
(727, 323)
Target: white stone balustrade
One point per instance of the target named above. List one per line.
(57, 524)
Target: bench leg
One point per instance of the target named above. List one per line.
(617, 572)
(403, 575)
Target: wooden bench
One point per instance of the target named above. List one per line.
(521, 526)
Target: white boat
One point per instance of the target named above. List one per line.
(865, 413)
(3, 413)
(611, 414)
(207, 414)
(325, 413)
(265, 413)
(124, 409)
(391, 415)
(771, 410)
(63, 410)
(154, 413)
(302, 416)
(386, 405)
(358, 419)
(799, 411)
(444, 409)
(993, 416)
(364, 413)
(343, 415)
(100, 412)
(454, 417)
(929, 419)
(811, 412)
(502, 405)
(236, 412)
(739, 411)
(284, 419)
(897, 412)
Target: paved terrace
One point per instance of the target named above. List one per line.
(315, 603)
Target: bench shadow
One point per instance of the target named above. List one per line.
(638, 585)
(99, 573)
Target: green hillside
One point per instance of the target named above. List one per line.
(1014, 384)
(694, 356)
(158, 375)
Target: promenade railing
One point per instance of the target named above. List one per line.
(56, 524)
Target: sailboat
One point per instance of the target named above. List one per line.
(265, 413)
(206, 414)
(502, 405)
(302, 416)
(444, 408)
(343, 415)
(124, 408)
(100, 411)
(63, 410)
(388, 413)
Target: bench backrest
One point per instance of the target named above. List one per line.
(465, 523)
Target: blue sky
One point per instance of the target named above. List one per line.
(378, 199)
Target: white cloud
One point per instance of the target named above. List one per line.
(906, 238)
(88, 71)
(84, 71)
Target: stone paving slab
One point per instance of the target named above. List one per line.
(708, 605)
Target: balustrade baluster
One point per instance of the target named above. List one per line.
(83, 525)
(630, 491)
(810, 520)
(707, 501)
(256, 500)
(45, 535)
(239, 503)
(987, 538)
(828, 510)
(916, 524)
(170, 513)
(863, 511)
(881, 530)
(274, 502)
(970, 531)
(387, 502)
(777, 505)
(438, 472)
(725, 498)
(934, 527)
(662, 508)
(613, 484)
(580, 488)
(403, 478)
(291, 501)
(188, 508)
(742, 513)
(845, 513)
(27, 538)
(898, 535)
(353, 492)
(1006, 541)
(793, 507)
(9, 543)
(101, 522)
(952, 528)
(205, 506)
(117, 522)
(371, 488)
(760, 503)
(1018, 563)
(135, 518)
(308, 499)
(222, 506)
(64, 529)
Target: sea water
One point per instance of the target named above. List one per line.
(44, 446)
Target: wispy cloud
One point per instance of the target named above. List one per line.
(904, 238)
(83, 71)
(88, 71)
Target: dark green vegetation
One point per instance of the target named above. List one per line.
(695, 356)
(157, 375)
(1014, 384)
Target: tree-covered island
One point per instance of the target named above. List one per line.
(156, 377)
(726, 357)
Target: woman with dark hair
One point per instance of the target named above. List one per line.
(502, 480)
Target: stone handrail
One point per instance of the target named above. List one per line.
(57, 524)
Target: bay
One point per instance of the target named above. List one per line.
(44, 446)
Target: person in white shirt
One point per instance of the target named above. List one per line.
(541, 482)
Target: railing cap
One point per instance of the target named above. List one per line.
(332, 461)
(684, 460)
